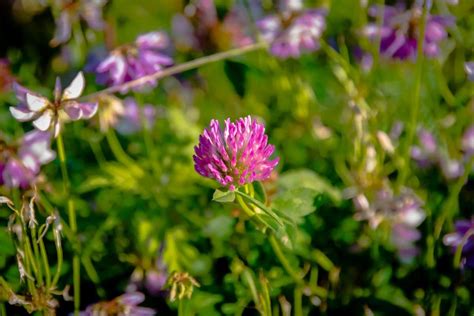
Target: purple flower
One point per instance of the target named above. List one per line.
(20, 166)
(199, 28)
(130, 62)
(294, 31)
(46, 114)
(469, 68)
(451, 168)
(72, 12)
(400, 31)
(464, 237)
(426, 153)
(124, 305)
(135, 118)
(236, 25)
(467, 142)
(236, 155)
(194, 29)
(404, 212)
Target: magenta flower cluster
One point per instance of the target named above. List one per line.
(293, 31)
(144, 57)
(400, 31)
(235, 155)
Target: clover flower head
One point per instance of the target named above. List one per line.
(20, 165)
(401, 28)
(463, 236)
(129, 62)
(45, 113)
(236, 155)
(293, 31)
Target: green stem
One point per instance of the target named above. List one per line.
(37, 255)
(244, 206)
(298, 297)
(44, 257)
(117, 149)
(3, 310)
(181, 308)
(59, 254)
(411, 128)
(72, 223)
(449, 207)
(457, 255)
(284, 262)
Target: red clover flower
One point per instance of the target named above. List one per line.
(236, 155)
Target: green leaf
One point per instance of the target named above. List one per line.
(304, 178)
(260, 205)
(223, 196)
(260, 192)
(296, 202)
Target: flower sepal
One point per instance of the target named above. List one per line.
(223, 196)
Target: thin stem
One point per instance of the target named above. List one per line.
(411, 128)
(178, 69)
(37, 255)
(244, 206)
(76, 265)
(181, 308)
(44, 257)
(117, 149)
(457, 256)
(284, 262)
(298, 298)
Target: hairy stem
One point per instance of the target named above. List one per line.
(178, 69)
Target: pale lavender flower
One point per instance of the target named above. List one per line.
(135, 118)
(236, 25)
(199, 28)
(153, 279)
(72, 12)
(400, 31)
(129, 62)
(426, 153)
(124, 305)
(19, 166)
(464, 237)
(236, 155)
(45, 113)
(469, 68)
(194, 29)
(451, 168)
(403, 211)
(293, 31)
(467, 141)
